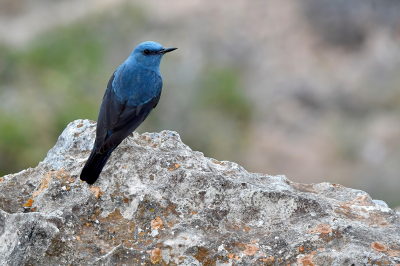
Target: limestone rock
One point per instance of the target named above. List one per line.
(159, 202)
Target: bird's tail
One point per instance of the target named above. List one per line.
(94, 165)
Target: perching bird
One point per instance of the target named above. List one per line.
(132, 92)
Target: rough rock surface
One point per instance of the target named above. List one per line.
(159, 202)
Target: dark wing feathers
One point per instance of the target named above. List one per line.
(120, 118)
(138, 109)
(102, 128)
(115, 109)
(129, 120)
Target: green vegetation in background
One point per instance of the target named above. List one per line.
(58, 78)
(221, 90)
(221, 116)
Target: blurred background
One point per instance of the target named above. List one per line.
(309, 89)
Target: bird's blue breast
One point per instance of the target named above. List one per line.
(136, 85)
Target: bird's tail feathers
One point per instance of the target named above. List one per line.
(94, 165)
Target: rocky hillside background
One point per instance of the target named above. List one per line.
(309, 89)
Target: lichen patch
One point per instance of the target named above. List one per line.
(250, 250)
(155, 255)
(157, 223)
(306, 260)
(322, 229)
(44, 183)
(62, 174)
(29, 203)
(96, 191)
(393, 253)
(379, 246)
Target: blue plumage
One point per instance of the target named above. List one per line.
(132, 92)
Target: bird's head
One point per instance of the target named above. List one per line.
(149, 54)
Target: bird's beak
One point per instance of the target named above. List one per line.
(167, 50)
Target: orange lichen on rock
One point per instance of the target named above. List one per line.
(322, 229)
(379, 246)
(359, 201)
(393, 253)
(174, 167)
(157, 223)
(373, 218)
(44, 183)
(246, 229)
(96, 191)
(250, 250)
(231, 255)
(202, 254)
(301, 249)
(29, 203)
(268, 260)
(306, 260)
(61, 174)
(215, 161)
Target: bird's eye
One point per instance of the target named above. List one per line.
(146, 51)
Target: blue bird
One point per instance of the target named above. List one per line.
(132, 92)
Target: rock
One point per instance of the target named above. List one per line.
(159, 202)
(380, 202)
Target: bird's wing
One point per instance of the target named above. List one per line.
(117, 119)
(109, 112)
(130, 118)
